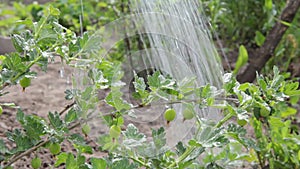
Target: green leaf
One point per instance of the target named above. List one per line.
(98, 78)
(14, 62)
(55, 121)
(291, 89)
(140, 87)
(262, 83)
(34, 126)
(28, 22)
(244, 86)
(276, 122)
(53, 11)
(86, 129)
(69, 94)
(212, 137)
(205, 92)
(47, 36)
(89, 44)
(81, 162)
(194, 143)
(159, 137)
(98, 163)
(132, 136)
(106, 142)
(242, 59)
(77, 139)
(18, 42)
(133, 133)
(3, 148)
(71, 162)
(87, 93)
(102, 4)
(259, 37)
(61, 158)
(289, 112)
(233, 128)
(229, 82)
(122, 163)
(213, 166)
(180, 149)
(268, 4)
(238, 133)
(187, 85)
(114, 98)
(84, 148)
(71, 116)
(154, 81)
(21, 116)
(2, 57)
(22, 141)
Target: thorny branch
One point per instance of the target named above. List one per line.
(43, 142)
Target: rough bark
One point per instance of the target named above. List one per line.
(259, 56)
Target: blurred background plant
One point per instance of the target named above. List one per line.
(248, 23)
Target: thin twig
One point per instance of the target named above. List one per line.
(171, 103)
(4, 86)
(32, 149)
(66, 108)
(182, 101)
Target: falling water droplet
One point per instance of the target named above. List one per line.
(62, 72)
(68, 80)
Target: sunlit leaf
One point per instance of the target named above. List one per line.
(268, 4)
(61, 158)
(259, 37)
(242, 59)
(289, 112)
(98, 163)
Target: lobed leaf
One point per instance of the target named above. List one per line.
(242, 59)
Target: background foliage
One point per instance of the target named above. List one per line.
(268, 106)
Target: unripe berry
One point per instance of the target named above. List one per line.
(25, 82)
(54, 148)
(170, 115)
(187, 114)
(36, 163)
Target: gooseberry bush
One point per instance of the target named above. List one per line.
(266, 107)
